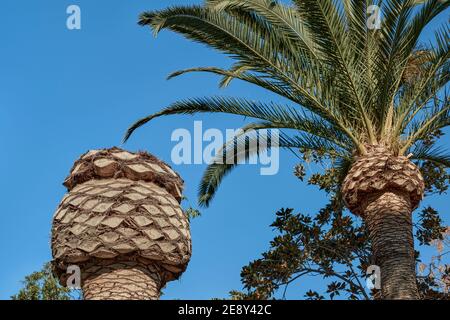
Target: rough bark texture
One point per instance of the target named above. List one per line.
(122, 281)
(117, 163)
(388, 219)
(110, 218)
(384, 189)
(122, 208)
(380, 170)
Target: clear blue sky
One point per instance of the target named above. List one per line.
(64, 92)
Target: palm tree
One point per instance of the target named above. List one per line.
(351, 97)
(122, 225)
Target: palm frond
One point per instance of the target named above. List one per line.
(236, 70)
(389, 61)
(285, 20)
(328, 29)
(240, 38)
(437, 155)
(315, 143)
(417, 96)
(233, 153)
(265, 54)
(431, 121)
(278, 115)
(238, 151)
(278, 87)
(401, 32)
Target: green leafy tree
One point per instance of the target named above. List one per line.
(335, 248)
(366, 98)
(42, 285)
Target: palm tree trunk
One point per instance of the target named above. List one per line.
(122, 281)
(388, 216)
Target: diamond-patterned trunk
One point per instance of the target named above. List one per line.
(384, 189)
(122, 224)
(122, 281)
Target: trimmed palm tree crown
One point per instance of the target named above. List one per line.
(121, 223)
(368, 97)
